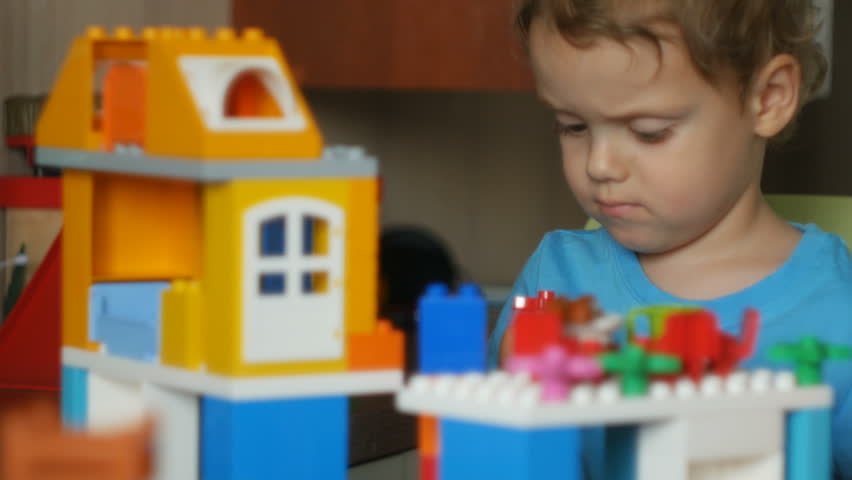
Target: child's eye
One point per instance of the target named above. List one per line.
(657, 136)
(573, 129)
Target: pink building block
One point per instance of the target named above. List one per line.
(556, 370)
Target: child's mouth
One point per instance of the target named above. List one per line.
(616, 209)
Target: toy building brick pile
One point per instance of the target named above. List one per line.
(672, 403)
(220, 263)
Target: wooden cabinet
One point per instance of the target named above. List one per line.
(409, 44)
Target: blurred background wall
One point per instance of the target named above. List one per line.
(439, 94)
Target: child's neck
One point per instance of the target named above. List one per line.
(751, 243)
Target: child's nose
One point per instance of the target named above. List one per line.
(604, 163)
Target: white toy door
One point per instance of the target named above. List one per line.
(293, 274)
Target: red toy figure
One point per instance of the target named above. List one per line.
(695, 337)
(576, 325)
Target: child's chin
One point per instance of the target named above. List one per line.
(644, 243)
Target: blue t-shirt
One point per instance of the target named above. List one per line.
(810, 294)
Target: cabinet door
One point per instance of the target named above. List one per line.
(435, 44)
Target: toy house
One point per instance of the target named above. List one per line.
(219, 262)
(525, 422)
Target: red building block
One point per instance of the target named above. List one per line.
(532, 331)
(533, 304)
(733, 351)
(428, 468)
(29, 338)
(30, 192)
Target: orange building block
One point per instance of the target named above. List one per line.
(247, 97)
(174, 122)
(427, 436)
(145, 229)
(124, 105)
(33, 446)
(383, 349)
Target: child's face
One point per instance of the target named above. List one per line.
(649, 148)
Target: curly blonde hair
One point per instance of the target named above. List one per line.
(733, 36)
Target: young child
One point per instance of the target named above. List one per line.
(664, 110)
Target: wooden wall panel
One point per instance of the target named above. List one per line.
(435, 44)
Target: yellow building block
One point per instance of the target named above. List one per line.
(182, 333)
(224, 208)
(362, 257)
(225, 205)
(145, 228)
(68, 117)
(76, 258)
(177, 110)
(175, 124)
(221, 275)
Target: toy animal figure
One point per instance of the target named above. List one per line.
(599, 330)
(573, 312)
(549, 319)
(694, 337)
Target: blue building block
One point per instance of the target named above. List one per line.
(451, 330)
(809, 445)
(470, 450)
(75, 386)
(126, 318)
(296, 439)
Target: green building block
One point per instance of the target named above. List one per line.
(635, 365)
(808, 354)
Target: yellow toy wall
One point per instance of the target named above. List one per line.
(224, 206)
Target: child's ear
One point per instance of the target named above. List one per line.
(774, 98)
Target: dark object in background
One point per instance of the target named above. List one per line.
(410, 258)
(20, 116)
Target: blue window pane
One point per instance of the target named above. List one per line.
(308, 235)
(307, 282)
(271, 283)
(272, 237)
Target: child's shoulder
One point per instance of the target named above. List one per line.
(817, 282)
(826, 252)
